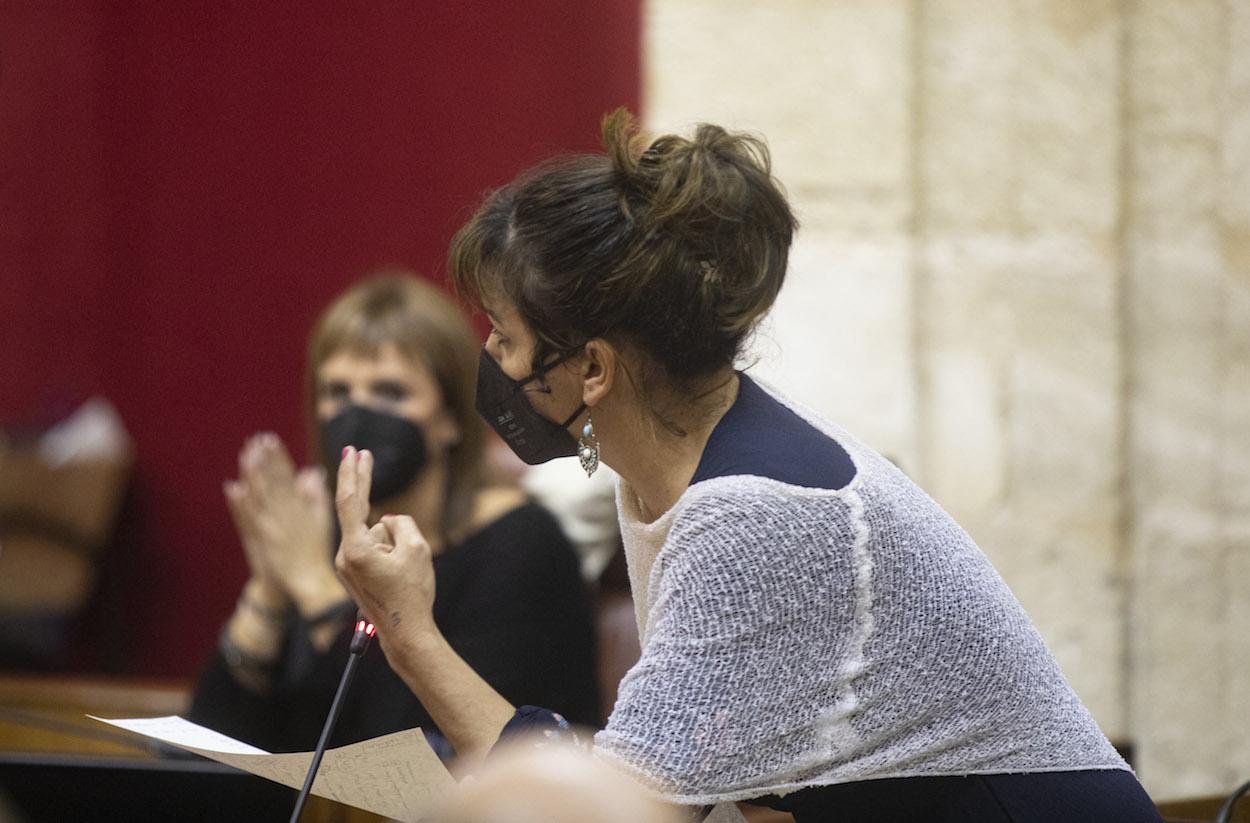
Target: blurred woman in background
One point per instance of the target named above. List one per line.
(391, 368)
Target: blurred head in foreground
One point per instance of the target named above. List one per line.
(551, 784)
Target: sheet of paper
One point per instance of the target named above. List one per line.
(183, 734)
(396, 775)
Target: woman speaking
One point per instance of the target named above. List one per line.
(818, 636)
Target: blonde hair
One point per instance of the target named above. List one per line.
(422, 322)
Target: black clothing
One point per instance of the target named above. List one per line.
(511, 602)
(1108, 796)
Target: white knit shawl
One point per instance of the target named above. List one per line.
(796, 637)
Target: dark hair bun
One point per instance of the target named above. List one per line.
(710, 219)
(678, 246)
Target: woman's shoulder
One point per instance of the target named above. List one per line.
(745, 520)
(754, 503)
(492, 504)
(765, 436)
(507, 514)
(517, 565)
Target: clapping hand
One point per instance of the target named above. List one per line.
(283, 519)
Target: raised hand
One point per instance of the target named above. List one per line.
(263, 578)
(387, 568)
(389, 571)
(283, 518)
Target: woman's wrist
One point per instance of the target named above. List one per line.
(316, 591)
(464, 706)
(266, 593)
(267, 602)
(414, 651)
(251, 641)
(255, 630)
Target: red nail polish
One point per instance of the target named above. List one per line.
(345, 448)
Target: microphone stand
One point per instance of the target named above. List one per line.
(360, 642)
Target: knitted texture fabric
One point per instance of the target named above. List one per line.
(796, 637)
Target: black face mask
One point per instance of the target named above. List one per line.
(397, 445)
(502, 403)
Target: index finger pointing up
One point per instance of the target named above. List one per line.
(351, 493)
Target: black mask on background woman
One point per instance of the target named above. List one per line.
(397, 445)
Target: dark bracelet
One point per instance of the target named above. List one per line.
(277, 617)
(238, 658)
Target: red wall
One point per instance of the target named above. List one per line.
(184, 185)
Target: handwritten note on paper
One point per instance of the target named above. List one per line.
(396, 775)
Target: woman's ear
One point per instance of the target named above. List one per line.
(599, 363)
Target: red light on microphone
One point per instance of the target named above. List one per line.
(363, 635)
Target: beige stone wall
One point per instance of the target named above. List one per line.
(1187, 194)
(1024, 273)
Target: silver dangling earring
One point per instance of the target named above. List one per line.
(588, 447)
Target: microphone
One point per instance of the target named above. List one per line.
(360, 642)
